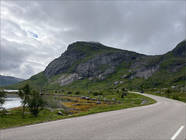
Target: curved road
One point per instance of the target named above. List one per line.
(164, 120)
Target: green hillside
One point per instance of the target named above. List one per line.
(37, 81)
(93, 66)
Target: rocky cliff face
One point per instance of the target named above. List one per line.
(180, 50)
(94, 60)
(89, 59)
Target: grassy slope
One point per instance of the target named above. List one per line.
(37, 81)
(160, 79)
(176, 95)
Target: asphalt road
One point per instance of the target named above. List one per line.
(164, 120)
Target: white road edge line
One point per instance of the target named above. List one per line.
(177, 133)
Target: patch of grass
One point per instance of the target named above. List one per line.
(14, 118)
(37, 81)
(176, 95)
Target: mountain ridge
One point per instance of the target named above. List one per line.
(9, 80)
(95, 63)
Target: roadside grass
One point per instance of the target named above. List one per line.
(14, 119)
(180, 96)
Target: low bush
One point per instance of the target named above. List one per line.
(175, 96)
(77, 92)
(69, 92)
(97, 93)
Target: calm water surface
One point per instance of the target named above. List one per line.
(11, 102)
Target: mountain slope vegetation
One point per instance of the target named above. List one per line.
(92, 65)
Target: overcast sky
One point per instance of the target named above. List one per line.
(33, 33)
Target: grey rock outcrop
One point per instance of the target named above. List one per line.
(95, 61)
(88, 59)
(67, 79)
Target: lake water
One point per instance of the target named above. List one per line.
(11, 102)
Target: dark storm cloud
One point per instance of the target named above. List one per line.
(153, 27)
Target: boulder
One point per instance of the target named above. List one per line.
(87, 98)
(83, 97)
(76, 104)
(60, 113)
(157, 92)
(144, 102)
(98, 102)
(124, 76)
(113, 99)
(116, 82)
(90, 78)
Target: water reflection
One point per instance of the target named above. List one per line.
(11, 102)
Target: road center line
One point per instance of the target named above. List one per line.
(177, 133)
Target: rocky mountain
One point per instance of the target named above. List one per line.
(89, 60)
(94, 65)
(9, 80)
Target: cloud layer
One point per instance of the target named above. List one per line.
(33, 33)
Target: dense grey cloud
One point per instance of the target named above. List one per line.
(33, 33)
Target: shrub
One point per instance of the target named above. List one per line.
(24, 94)
(168, 92)
(3, 111)
(175, 96)
(35, 103)
(97, 93)
(69, 92)
(77, 92)
(124, 93)
(51, 102)
(2, 97)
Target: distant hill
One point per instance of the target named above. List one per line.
(91, 65)
(9, 80)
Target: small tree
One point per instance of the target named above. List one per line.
(35, 103)
(2, 100)
(77, 92)
(69, 92)
(142, 88)
(24, 94)
(2, 97)
(168, 92)
(124, 92)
